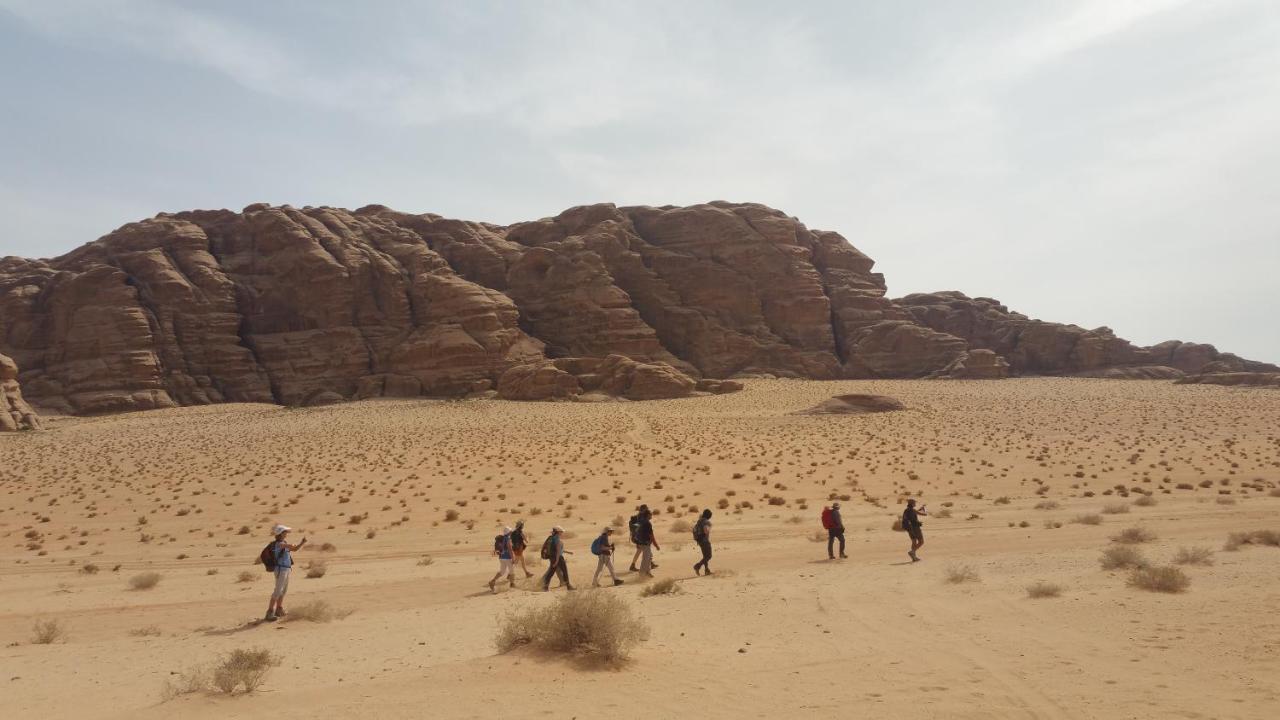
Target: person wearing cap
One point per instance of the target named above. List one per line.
(915, 529)
(647, 541)
(603, 548)
(555, 560)
(502, 548)
(702, 536)
(519, 541)
(283, 553)
(835, 532)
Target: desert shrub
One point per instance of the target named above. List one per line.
(1043, 590)
(681, 526)
(593, 625)
(328, 547)
(943, 513)
(1002, 500)
(426, 560)
(1133, 536)
(1122, 556)
(957, 574)
(317, 569)
(317, 611)
(1090, 519)
(1115, 509)
(1166, 578)
(1222, 500)
(1145, 501)
(243, 669)
(1047, 505)
(1193, 556)
(665, 586)
(244, 530)
(246, 576)
(47, 632)
(794, 520)
(144, 581)
(188, 682)
(89, 569)
(1254, 537)
(1275, 493)
(148, 631)
(818, 536)
(450, 515)
(897, 525)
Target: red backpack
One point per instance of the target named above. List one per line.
(827, 522)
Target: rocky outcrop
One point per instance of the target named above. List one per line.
(855, 405)
(317, 305)
(1036, 347)
(975, 365)
(15, 413)
(614, 376)
(1258, 379)
(1135, 372)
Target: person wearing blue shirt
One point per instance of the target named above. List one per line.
(282, 551)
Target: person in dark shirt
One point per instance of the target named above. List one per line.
(702, 536)
(518, 543)
(915, 529)
(556, 564)
(835, 532)
(647, 542)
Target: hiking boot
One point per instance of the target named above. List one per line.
(616, 582)
(570, 588)
(697, 569)
(653, 565)
(706, 571)
(281, 613)
(270, 617)
(633, 569)
(843, 556)
(491, 587)
(912, 554)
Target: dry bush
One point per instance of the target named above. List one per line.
(450, 515)
(48, 632)
(148, 631)
(1166, 578)
(89, 569)
(426, 560)
(593, 625)
(1133, 536)
(1254, 537)
(1122, 556)
(1275, 493)
(1115, 509)
(188, 682)
(1090, 519)
(681, 526)
(317, 611)
(328, 547)
(794, 520)
(957, 574)
(243, 669)
(144, 581)
(246, 576)
(665, 586)
(1193, 556)
(1223, 500)
(1002, 500)
(1047, 505)
(317, 569)
(1145, 501)
(897, 525)
(943, 513)
(1044, 590)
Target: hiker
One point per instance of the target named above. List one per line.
(282, 553)
(702, 536)
(502, 548)
(603, 547)
(647, 542)
(518, 543)
(554, 552)
(915, 529)
(632, 525)
(835, 530)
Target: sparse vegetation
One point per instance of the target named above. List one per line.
(148, 631)
(1193, 556)
(957, 574)
(1119, 557)
(1255, 537)
(665, 586)
(89, 569)
(144, 581)
(245, 669)
(316, 611)
(317, 569)
(1133, 536)
(425, 560)
(245, 576)
(593, 625)
(1043, 590)
(1089, 519)
(48, 632)
(1145, 501)
(1166, 579)
(681, 526)
(1047, 505)
(1115, 509)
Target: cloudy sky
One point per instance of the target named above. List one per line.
(1109, 162)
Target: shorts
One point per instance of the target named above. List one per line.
(282, 582)
(916, 534)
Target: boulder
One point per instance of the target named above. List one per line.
(975, 365)
(856, 404)
(15, 413)
(1258, 379)
(1135, 372)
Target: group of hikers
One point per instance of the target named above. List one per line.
(510, 546)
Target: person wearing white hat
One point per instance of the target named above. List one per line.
(282, 551)
(835, 532)
(502, 548)
(553, 552)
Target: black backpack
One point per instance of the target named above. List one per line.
(498, 544)
(634, 526)
(700, 531)
(546, 548)
(268, 556)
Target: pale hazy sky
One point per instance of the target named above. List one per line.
(1107, 162)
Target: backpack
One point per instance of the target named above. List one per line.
(268, 556)
(596, 545)
(546, 548)
(634, 526)
(498, 544)
(828, 522)
(699, 531)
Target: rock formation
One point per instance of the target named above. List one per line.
(317, 305)
(1259, 379)
(15, 413)
(976, 364)
(855, 405)
(614, 376)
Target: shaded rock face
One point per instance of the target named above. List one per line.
(15, 413)
(615, 375)
(1136, 372)
(855, 405)
(976, 365)
(317, 305)
(1035, 347)
(1259, 379)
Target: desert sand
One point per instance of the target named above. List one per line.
(779, 631)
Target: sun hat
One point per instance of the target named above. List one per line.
(558, 529)
(506, 530)
(279, 528)
(608, 529)
(835, 505)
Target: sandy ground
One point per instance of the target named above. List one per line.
(779, 632)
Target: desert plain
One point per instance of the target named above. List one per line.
(1027, 482)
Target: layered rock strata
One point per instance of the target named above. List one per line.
(15, 413)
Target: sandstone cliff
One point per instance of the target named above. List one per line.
(314, 305)
(15, 413)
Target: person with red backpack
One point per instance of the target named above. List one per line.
(702, 536)
(278, 558)
(834, 526)
(502, 548)
(602, 547)
(553, 552)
